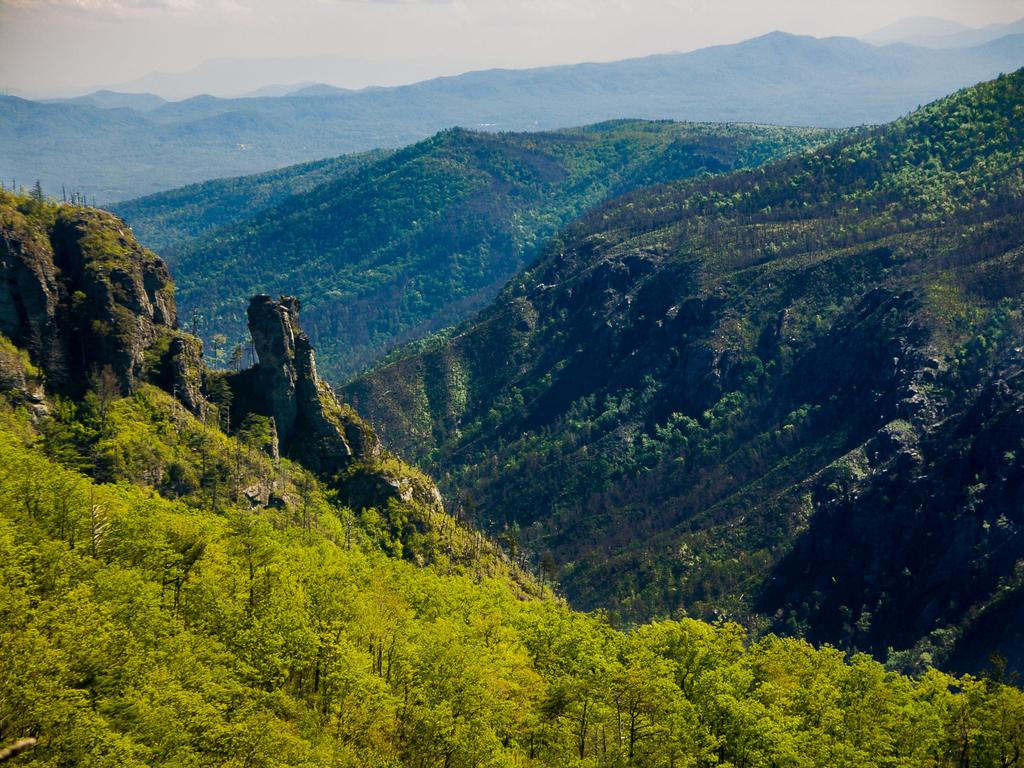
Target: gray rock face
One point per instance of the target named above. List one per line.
(313, 427)
(29, 293)
(274, 326)
(80, 295)
(19, 382)
(119, 296)
(184, 369)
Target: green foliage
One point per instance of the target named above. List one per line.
(163, 221)
(16, 369)
(657, 401)
(150, 440)
(140, 630)
(386, 248)
(35, 209)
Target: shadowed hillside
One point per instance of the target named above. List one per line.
(789, 395)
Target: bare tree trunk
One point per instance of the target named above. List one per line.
(16, 749)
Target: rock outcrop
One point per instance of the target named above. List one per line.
(20, 382)
(312, 426)
(117, 296)
(29, 291)
(80, 295)
(182, 371)
(83, 306)
(82, 301)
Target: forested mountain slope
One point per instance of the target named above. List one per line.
(386, 250)
(117, 154)
(166, 221)
(174, 595)
(140, 630)
(790, 395)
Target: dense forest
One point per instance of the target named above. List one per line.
(167, 221)
(175, 590)
(789, 396)
(384, 249)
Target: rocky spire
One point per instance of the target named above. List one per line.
(274, 327)
(313, 426)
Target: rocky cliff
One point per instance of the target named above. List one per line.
(83, 306)
(311, 424)
(81, 295)
(313, 427)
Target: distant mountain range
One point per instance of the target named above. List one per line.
(931, 32)
(107, 99)
(236, 77)
(118, 153)
(904, 30)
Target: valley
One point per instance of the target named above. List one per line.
(202, 567)
(655, 411)
(385, 249)
(698, 398)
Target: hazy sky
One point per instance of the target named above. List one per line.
(70, 45)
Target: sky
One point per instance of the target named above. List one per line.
(65, 47)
